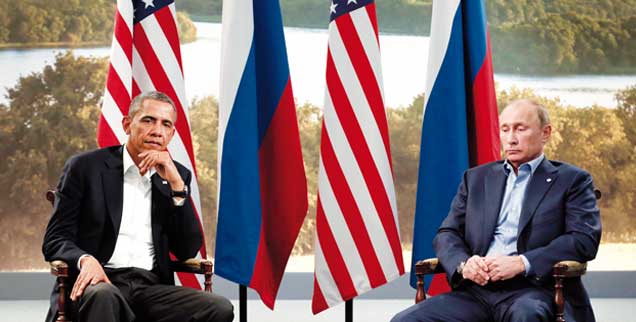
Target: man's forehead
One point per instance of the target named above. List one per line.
(157, 109)
(518, 114)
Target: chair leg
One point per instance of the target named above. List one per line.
(559, 301)
(207, 269)
(62, 275)
(421, 286)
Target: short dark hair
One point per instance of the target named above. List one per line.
(136, 103)
(542, 112)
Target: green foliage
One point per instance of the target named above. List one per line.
(204, 125)
(66, 21)
(51, 115)
(187, 30)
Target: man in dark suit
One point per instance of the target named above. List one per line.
(118, 213)
(508, 224)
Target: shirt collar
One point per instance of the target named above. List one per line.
(129, 163)
(533, 164)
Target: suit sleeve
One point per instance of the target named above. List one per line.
(184, 230)
(449, 243)
(582, 233)
(61, 233)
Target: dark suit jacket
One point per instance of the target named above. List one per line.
(559, 220)
(87, 214)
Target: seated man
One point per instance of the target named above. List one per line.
(118, 213)
(509, 223)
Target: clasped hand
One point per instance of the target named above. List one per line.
(481, 270)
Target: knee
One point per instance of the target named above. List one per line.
(222, 309)
(528, 310)
(404, 316)
(99, 292)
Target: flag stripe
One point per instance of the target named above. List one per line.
(354, 92)
(363, 71)
(262, 186)
(333, 258)
(347, 202)
(167, 23)
(374, 192)
(356, 190)
(123, 37)
(341, 233)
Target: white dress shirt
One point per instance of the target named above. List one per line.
(134, 247)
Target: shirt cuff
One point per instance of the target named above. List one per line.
(178, 201)
(526, 263)
(79, 267)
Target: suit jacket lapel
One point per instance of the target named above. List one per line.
(113, 186)
(539, 184)
(494, 187)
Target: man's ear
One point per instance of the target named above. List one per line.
(125, 123)
(547, 132)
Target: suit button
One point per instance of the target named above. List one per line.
(537, 278)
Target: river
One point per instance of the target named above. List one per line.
(403, 62)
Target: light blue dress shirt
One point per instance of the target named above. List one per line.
(505, 239)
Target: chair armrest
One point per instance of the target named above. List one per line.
(428, 266)
(561, 270)
(59, 268)
(569, 268)
(192, 265)
(425, 267)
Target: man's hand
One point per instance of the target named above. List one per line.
(504, 267)
(91, 272)
(476, 270)
(163, 164)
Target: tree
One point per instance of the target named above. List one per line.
(51, 115)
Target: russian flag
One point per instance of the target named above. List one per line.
(262, 186)
(460, 127)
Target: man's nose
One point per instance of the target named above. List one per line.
(510, 137)
(156, 130)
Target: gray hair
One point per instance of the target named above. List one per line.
(542, 112)
(136, 103)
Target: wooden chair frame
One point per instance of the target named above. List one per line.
(560, 271)
(60, 270)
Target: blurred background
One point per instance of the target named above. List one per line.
(578, 58)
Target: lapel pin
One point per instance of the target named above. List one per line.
(548, 180)
(166, 182)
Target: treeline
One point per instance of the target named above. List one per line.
(527, 36)
(565, 36)
(52, 115)
(72, 22)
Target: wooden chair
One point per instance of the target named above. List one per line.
(60, 270)
(560, 271)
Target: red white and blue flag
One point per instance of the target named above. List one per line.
(357, 237)
(460, 127)
(145, 56)
(262, 184)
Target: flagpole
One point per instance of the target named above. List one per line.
(349, 311)
(242, 303)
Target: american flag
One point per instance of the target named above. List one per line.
(358, 243)
(146, 55)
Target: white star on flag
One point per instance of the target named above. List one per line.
(149, 3)
(352, 1)
(333, 7)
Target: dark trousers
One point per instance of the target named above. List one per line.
(136, 295)
(513, 300)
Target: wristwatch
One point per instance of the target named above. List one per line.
(182, 194)
(460, 269)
